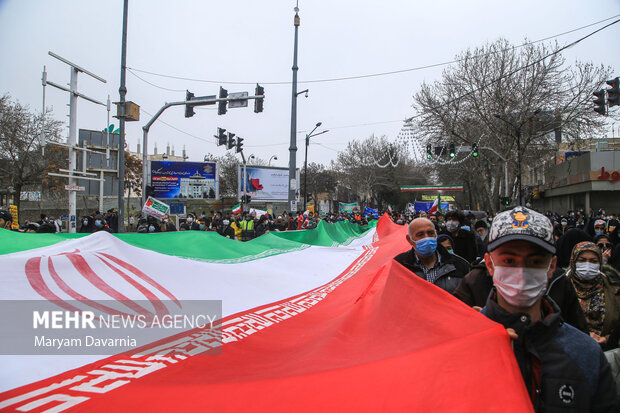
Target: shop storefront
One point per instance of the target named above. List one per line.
(591, 180)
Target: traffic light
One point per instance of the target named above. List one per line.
(189, 109)
(613, 94)
(221, 137)
(474, 150)
(504, 200)
(150, 191)
(221, 106)
(309, 197)
(231, 141)
(429, 151)
(599, 102)
(452, 151)
(239, 144)
(258, 103)
(246, 199)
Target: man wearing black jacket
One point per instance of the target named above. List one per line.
(464, 240)
(430, 261)
(563, 369)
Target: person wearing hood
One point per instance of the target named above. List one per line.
(561, 228)
(465, 244)
(88, 225)
(598, 290)
(100, 224)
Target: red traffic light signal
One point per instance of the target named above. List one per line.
(599, 102)
(613, 94)
(231, 141)
(221, 137)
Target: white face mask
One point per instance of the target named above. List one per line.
(520, 286)
(587, 270)
(452, 226)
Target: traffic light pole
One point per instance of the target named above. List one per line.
(145, 129)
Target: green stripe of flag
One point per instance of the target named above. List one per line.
(206, 246)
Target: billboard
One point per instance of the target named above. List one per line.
(193, 180)
(265, 182)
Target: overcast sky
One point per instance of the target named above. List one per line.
(252, 41)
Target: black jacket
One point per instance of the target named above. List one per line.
(563, 368)
(452, 268)
(476, 286)
(465, 244)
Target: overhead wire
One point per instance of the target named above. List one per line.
(386, 73)
(408, 120)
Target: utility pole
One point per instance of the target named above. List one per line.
(121, 140)
(292, 163)
(71, 141)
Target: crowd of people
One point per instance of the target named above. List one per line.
(553, 281)
(243, 226)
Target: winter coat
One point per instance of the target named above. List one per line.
(451, 270)
(562, 367)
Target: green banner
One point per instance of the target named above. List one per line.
(342, 207)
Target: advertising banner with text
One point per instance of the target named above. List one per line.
(184, 180)
(265, 183)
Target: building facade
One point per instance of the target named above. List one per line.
(590, 180)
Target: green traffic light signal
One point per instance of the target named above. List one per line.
(474, 151)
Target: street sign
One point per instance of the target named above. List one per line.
(241, 103)
(64, 217)
(293, 206)
(74, 188)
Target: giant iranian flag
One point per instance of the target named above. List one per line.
(317, 320)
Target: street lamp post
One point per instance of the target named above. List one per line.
(293, 146)
(308, 136)
(272, 157)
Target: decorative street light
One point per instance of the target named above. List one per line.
(272, 157)
(308, 136)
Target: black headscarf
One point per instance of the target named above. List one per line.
(567, 242)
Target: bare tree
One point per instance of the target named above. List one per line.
(515, 100)
(375, 168)
(21, 136)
